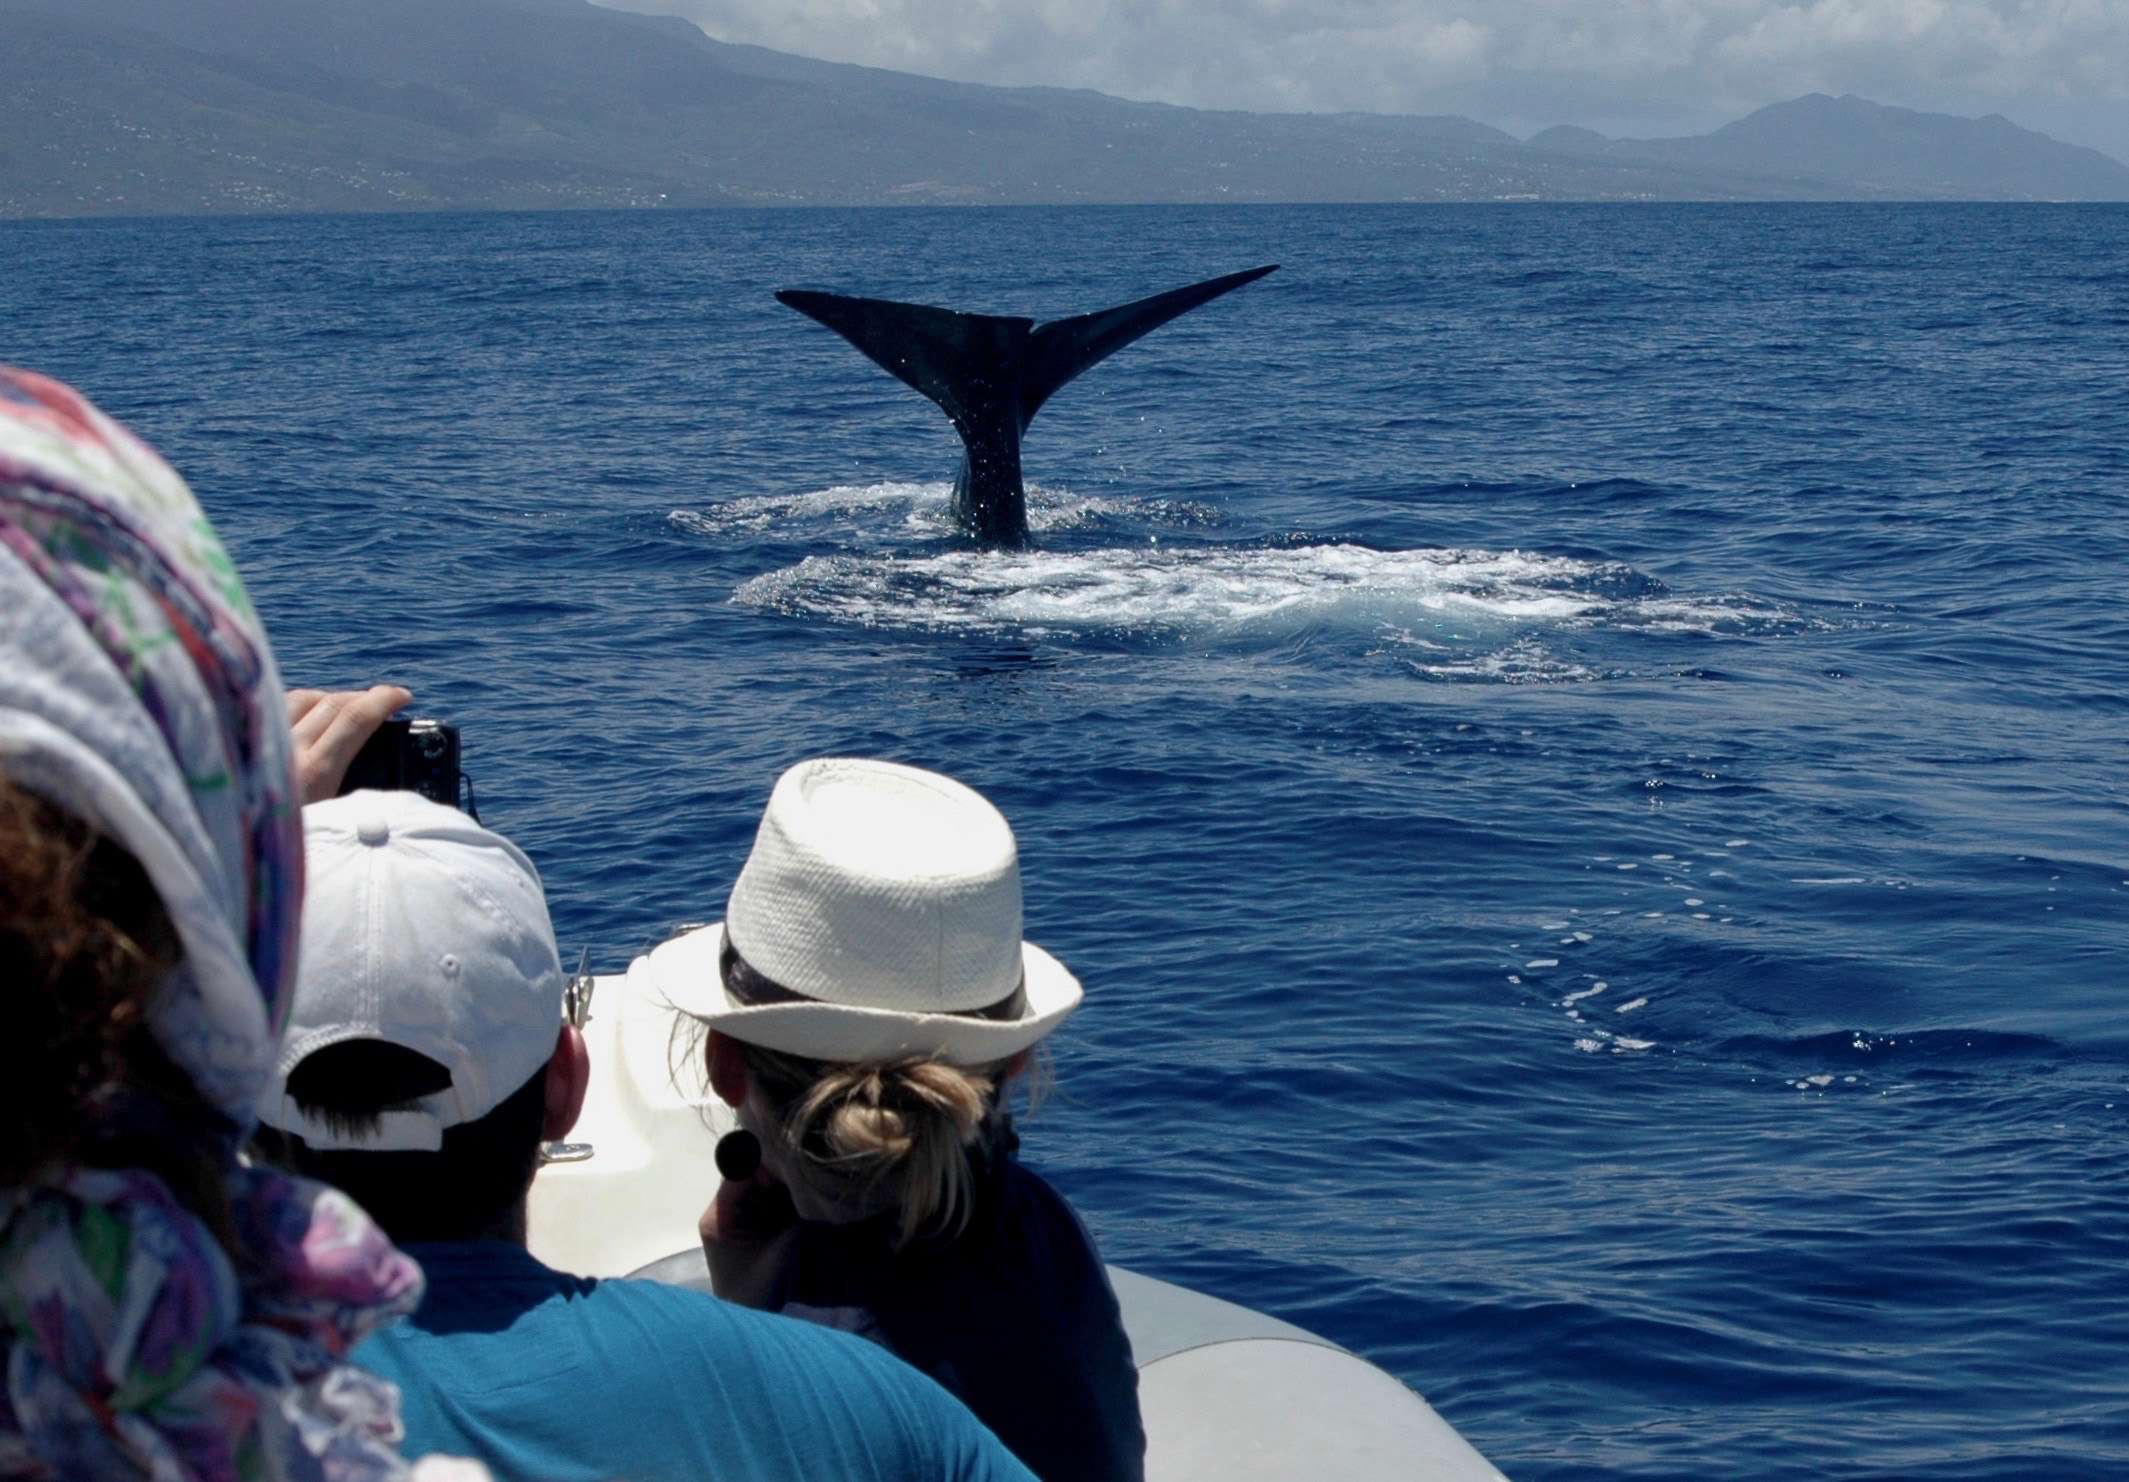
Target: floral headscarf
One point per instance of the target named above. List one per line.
(137, 692)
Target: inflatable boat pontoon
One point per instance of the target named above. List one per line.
(1227, 1393)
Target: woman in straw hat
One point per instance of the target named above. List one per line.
(867, 999)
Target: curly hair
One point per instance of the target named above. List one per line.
(85, 945)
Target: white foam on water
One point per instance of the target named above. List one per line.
(1051, 510)
(1536, 963)
(1581, 993)
(1523, 660)
(921, 506)
(925, 509)
(1705, 615)
(1446, 612)
(1630, 1005)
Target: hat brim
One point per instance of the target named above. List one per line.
(685, 971)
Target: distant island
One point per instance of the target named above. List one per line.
(150, 107)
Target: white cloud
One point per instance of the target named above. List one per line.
(1625, 66)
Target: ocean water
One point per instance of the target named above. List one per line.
(1579, 751)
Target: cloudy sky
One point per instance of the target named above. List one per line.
(1624, 67)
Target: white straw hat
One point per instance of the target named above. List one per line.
(878, 917)
(427, 931)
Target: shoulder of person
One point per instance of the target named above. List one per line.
(1034, 1203)
(821, 1384)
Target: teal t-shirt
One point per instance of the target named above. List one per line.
(555, 1378)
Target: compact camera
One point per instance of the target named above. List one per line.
(413, 756)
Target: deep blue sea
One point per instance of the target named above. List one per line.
(1579, 751)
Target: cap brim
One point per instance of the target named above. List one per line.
(685, 972)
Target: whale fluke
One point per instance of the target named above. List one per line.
(991, 373)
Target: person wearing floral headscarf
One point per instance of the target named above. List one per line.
(166, 1312)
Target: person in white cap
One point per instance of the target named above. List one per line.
(866, 1000)
(425, 1062)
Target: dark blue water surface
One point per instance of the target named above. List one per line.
(1580, 752)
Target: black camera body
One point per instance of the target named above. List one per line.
(411, 756)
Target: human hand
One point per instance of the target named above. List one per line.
(330, 728)
(748, 1233)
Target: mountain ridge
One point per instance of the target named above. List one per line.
(208, 106)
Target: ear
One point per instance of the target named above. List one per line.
(728, 1069)
(568, 1078)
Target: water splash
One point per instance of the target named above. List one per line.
(1447, 611)
(854, 513)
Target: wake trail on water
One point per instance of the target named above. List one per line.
(1445, 612)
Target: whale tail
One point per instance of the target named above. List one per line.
(991, 373)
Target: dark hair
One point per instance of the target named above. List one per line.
(85, 946)
(469, 1189)
(351, 1085)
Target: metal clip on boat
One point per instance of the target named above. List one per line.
(576, 1011)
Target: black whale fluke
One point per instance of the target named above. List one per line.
(991, 373)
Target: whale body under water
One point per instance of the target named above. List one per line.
(991, 373)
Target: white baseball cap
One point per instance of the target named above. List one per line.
(426, 931)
